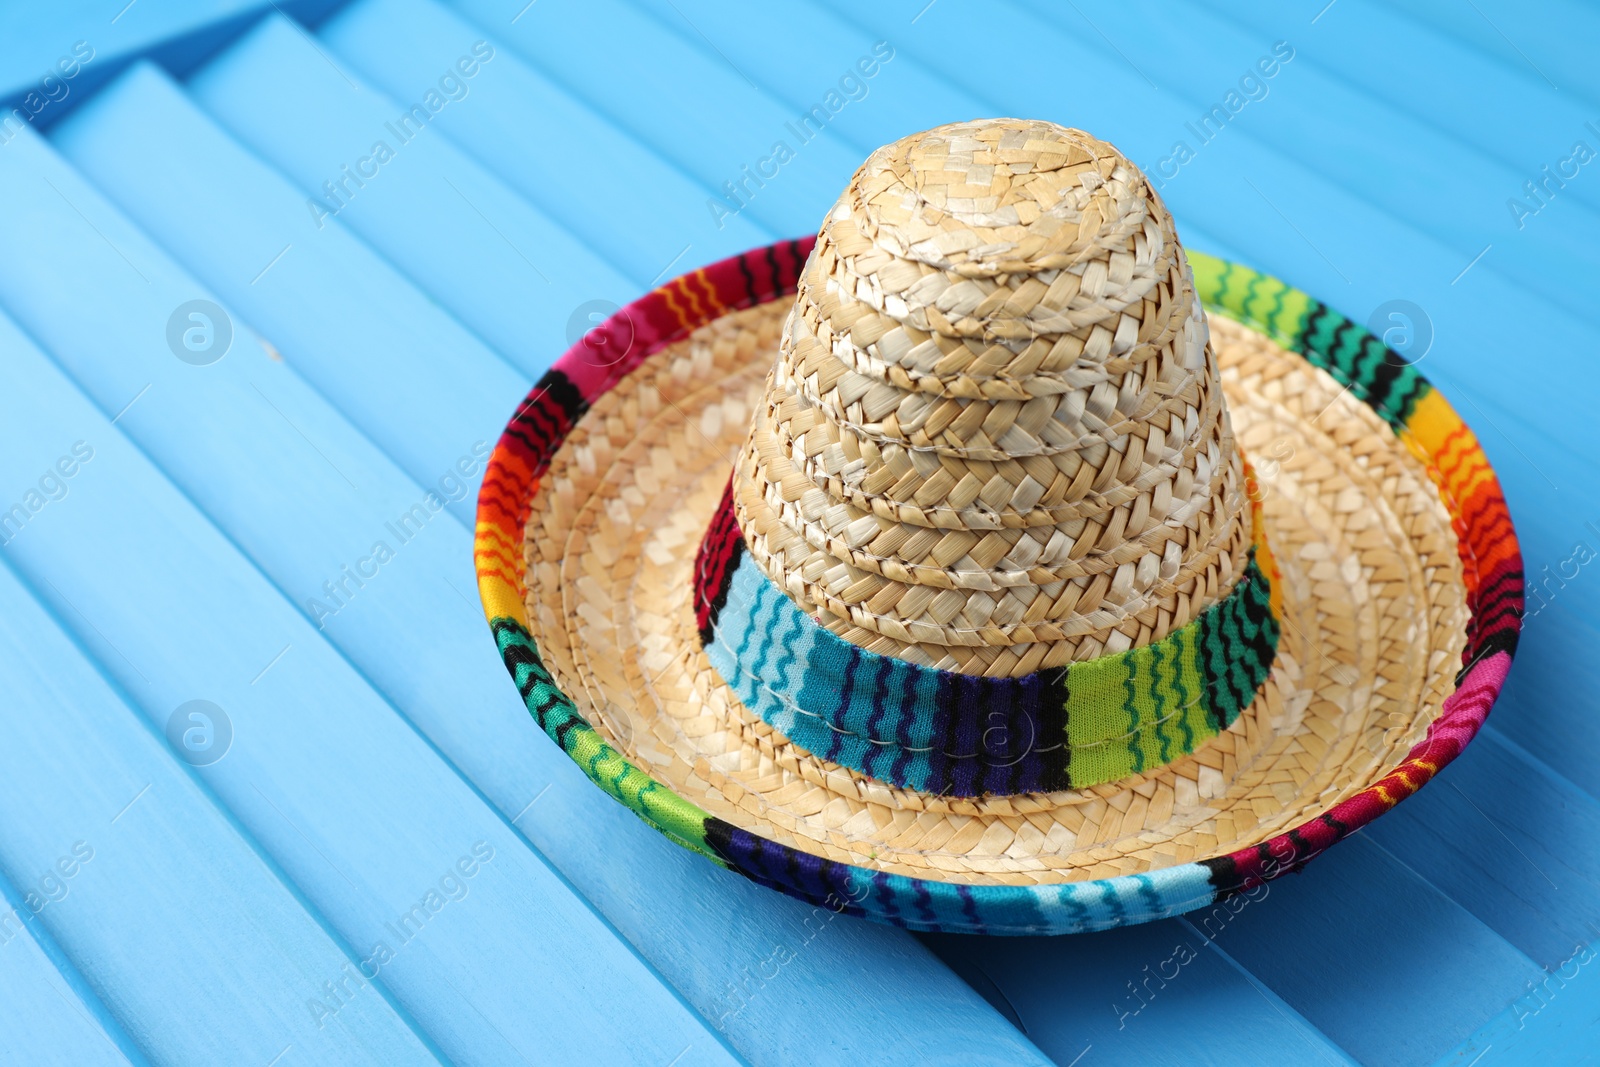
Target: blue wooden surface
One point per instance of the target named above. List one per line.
(375, 354)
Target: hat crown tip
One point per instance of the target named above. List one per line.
(998, 195)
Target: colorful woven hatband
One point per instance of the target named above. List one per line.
(1064, 579)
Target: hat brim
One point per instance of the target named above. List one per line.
(1402, 598)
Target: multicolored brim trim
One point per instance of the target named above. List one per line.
(1422, 420)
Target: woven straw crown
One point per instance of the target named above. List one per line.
(995, 439)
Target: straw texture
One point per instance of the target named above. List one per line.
(994, 441)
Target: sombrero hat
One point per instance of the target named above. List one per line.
(990, 564)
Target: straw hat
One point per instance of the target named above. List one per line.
(1019, 573)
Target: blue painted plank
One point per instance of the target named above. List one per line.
(1553, 1022)
(293, 484)
(131, 867)
(808, 53)
(52, 58)
(370, 161)
(1400, 164)
(353, 805)
(1505, 112)
(1367, 937)
(1157, 993)
(35, 32)
(699, 110)
(637, 210)
(414, 634)
(1551, 40)
(1496, 834)
(48, 1014)
(308, 291)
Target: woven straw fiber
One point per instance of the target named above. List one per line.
(1374, 623)
(994, 439)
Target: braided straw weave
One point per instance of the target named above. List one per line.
(995, 440)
